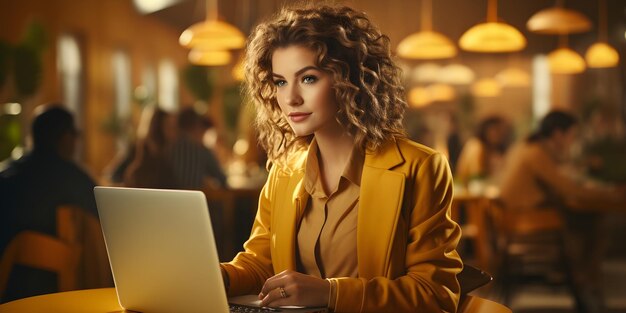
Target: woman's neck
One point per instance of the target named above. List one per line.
(334, 149)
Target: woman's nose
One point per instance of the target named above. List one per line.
(293, 96)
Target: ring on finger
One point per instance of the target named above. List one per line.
(283, 293)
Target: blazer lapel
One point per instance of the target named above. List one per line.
(380, 206)
(285, 216)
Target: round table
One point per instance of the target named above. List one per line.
(81, 301)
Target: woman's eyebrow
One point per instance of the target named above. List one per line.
(300, 71)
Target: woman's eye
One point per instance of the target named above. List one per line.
(309, 79)
(280, 83)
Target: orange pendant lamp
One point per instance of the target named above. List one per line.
(211, 39)
(426, 44)
(558, 20)
(565, 60)
(601, 54)
(492, 36)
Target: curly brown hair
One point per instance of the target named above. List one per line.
(367, 83)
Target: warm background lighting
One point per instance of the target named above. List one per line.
(492, 36)
(601, 54)
(209, 57)
(486, 88)
(566, 61)
(557, 21)
(426, 44)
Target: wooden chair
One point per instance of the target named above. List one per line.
(474, 304)
(530, 247)
(58, 254)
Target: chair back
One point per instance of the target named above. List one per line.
(60, 254)
(474, 304)
(80, 228)
(41, 251)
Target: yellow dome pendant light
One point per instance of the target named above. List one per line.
(211, 37)
(565, 60)
(601, 54)
(426, 44)
(492, 36)
(558, 20)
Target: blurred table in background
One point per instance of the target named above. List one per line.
(471, 209)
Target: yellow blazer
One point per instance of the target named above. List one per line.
(406, 240)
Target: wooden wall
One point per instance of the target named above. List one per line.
(102, 27)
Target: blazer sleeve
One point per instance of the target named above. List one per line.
(249, 269)
(431, 261)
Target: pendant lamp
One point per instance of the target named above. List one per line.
(238, 72)
(441, 92)
(558, 20)
(492, 36)
(419, 97)
(565, 60)
(486, 88)
(211, 36)
(426, 73)
(513, 77)
(456, 74)
(426, 44)
(601, 54)
(209, 57)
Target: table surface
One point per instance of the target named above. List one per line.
(80, 301)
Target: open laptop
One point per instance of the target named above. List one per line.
(163, 255)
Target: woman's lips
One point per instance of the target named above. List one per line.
(298, 116)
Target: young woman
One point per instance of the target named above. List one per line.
(353, 216)
(482, 156)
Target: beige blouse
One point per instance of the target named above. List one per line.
(326, 243)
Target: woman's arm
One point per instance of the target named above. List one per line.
(249, 269)
(431, 260)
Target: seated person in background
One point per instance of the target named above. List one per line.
(33, 187)
(482, 156)
(533, 179)
(152, 166)
(195, 166)
(354, 216)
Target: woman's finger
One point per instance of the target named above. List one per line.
(276, 297)
(278, 280)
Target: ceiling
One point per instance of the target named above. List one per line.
(399, 18)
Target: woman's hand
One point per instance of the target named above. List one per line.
(293, 288)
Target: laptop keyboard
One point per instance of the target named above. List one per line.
(240, 308)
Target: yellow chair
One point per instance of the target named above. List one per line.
(44, 252)
(60, 254)
(474, 304)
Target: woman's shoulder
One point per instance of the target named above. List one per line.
(414, 149)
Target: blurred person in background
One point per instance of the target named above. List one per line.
(151, 166)
(534, 177)
(195, 166)
(33, 187)
(482, 156)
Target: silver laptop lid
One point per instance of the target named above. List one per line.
(161, 249)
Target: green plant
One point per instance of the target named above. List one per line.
(22, 64)
(199, 80)
(605, 159)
